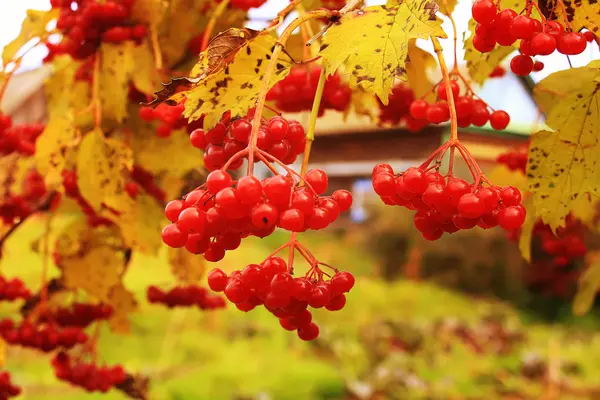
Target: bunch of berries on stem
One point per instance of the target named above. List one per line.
(185, 296)
(87, 375)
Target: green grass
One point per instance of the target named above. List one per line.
(218, 355)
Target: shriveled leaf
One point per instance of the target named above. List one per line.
(60, 101)
(149, 150)
(140, 224)
(579, 13)
(481, 65)
(116, 69)
(372, 43)
(96, 272)
(33, 26)
(527, 231)
(145, 76)
(53, 145)
(185, 266)
(123, 303)
(589, 284)
(563, 165)
(237, 86)
(100, 162)
(420, 61)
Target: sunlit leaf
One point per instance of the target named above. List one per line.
(34, 26)
(420, 62)
(185, 266)
(116, 69)
(53, 145)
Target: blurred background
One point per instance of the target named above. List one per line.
(462, 318)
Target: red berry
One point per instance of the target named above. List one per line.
(521, 65)
(173, 237)
(342, 282)
(217, 180)
(441, 90)
(571, 43)
(249, 190)
(292, 220)
(538, 66)
(197, 139)
(499, 119)
(317, 179)
(543, 44)
(217, 280)
(484, 11)
(384, 184)
(418, 109)
(343, 198)
(471, 206)
(510, 196)
(523, 27)
(309, 332)
(415, 180)
(240, 130)
(191, 220)
(511, 217)
(277, 128)
(264, 216)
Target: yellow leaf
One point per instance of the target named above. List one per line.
(77, 236)
(419, 62)
(481, 65)
(33, 26)
(579, 13)
(589, 283)
(446, 6)
(373, 43)
(575, 109)
(100, 162)
(60, 101)
(96, 272)
(185, 266)
(503, 176)
(2, 353)
(149, 151)
(140, 224)
(145, 76)
(527, 231)
(237, 86)
(363, 103)
(123, 303)
(116, 69)
(52, 147)
(585, 209)
(149, 11)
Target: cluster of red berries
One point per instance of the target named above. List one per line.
(12, 289)
(288, 298)
(247, 4)
(297, 91)
(18, 138)
(448, 205)
(45, 337)
(214, 219)
(505, 27)
(185, 296)
(7, 388)
(91, 22)
(469, 110)
(515, 159)
(72, 191)
(18, 206)
(87, 375)
(398, 109)
(281, 138)
(79, 315)
(168, 117)
(147, 181)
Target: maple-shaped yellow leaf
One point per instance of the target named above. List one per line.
(481, 65)
(123, 303)
(235, 87)
(563, 165)
(100, 163)
(185, 266)
(589, 284)
(149, 150)
(372, 43)
(34, 26)
(60, 101)
(116, 69)
(140, 223)
(145, 76)
(420, 61)
(579, 13)
(95, 272)
(53, 145)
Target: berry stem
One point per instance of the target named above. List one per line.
(312, 122)
(216, 14)
(96, 92)
(158, 59)
(453, 118)
(451, 162)
(268, 74)
(455, 35)
(267, 163)
(280, 17)
(291, 253)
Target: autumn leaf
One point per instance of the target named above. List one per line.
(237, 86)
(481, 65)
(77, 236)
(33, 26)
(123, 303)
(116, 69)
(589, 284)
(96, 272)
(60, 101)
(140, 223)
(52, 147)
(563, 165)
(362, 103)
(372, 43)
(185, 266)
(501, 175)
(420, 61)
(145, 76)
(100, 162)
(579, 13)
(149, 150)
